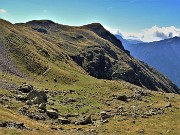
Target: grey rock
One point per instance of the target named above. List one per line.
(21, 97)
(104, 115)
(25, 88)
(37, 97)
(29, 102)
(122, 97)
(42, 106)
(64, 121)
(72, 100)
(167, 105)
(84, 120)
(141, 131)
(52, 114)
(38, 100)
(12, 124)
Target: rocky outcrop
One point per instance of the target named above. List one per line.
(105, 62)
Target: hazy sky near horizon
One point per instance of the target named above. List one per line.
(144, 19)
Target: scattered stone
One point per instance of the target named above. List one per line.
(12, 124)
(71, 115)
(63, 121)
(72, 91)
(4, 98)
(104, 115)
(29, 102)
(71, 100)
(167, 105)
(55, 80)
(36, 116)
(25, 88)
(55, 109)
(21, 97)
(122, 97)
(52, 114)
(42, 106)
(38, 100)
(141, 131)
(84, 120)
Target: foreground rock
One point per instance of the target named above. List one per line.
(37, 97)
(52, 114)
(104, 115)
(63, 121)
(84, 120)
(12, 124)
(25, 88)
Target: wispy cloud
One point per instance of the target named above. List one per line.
(2, 11)
(154, 33)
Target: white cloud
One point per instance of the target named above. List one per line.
(2, 11)
(112, 30)
(154, 33)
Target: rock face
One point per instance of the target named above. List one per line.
(105, 62)
(108, 62)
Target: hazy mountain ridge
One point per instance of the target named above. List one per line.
(162, 55)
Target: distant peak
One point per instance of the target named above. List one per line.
(94, 26)
(4, 21)
(176, 37)
(40, 22)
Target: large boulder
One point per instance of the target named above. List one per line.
(37, 97)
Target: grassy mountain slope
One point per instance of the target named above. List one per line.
(62, 61)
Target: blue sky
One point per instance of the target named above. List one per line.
(129, 17)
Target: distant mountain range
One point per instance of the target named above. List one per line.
(127, 42)
(163, 55)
